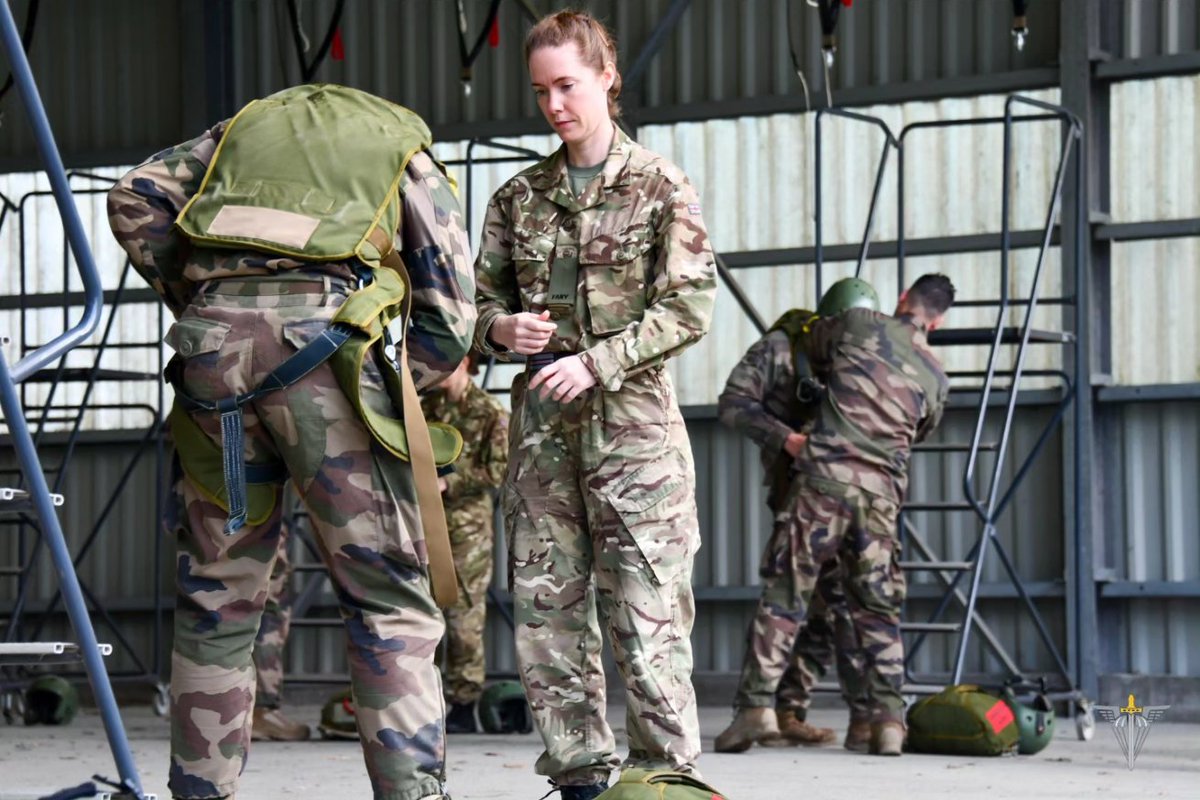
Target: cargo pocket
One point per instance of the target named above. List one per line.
(192, 337)
(615, 274)
(657, 509)
(197, 343)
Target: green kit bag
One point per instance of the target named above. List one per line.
(962, 720)
(645, 784)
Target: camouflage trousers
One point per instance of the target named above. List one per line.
(827, 636)
(364, 517)
(600, 513)
(472, 536)
(827, 522)
(275, 625)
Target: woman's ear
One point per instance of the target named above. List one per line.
(609, 75)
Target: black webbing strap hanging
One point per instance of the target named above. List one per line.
(468, 55)
(308, 70)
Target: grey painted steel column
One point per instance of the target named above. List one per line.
(1090, 318)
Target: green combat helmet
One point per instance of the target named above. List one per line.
(644, 784)
(846, 294)
(503, 709)
(1035, 723)
(50, 700)
(337, 717)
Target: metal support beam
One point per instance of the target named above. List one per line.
(633, 78)
(931, 246)
(1150, 393)
(1090, 318)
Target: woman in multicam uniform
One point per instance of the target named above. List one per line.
(595, 266)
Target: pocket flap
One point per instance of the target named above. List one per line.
(647, 485)
(532, 248)
(300, 332)
(193, 336)
(617, 247)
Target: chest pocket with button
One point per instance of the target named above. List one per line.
(530, 253)
(616, 268)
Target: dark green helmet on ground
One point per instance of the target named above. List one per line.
(504, 709)
(337, 717)
(1035, 723)
(50, 700)
(645, 784)
(846, 294)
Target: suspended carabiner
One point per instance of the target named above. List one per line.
(1020, 28)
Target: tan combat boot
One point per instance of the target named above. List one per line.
(270, 724)
(794, 731)
(749, 726)
(887, 738)
(858, 735)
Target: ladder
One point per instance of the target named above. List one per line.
(35, 496)
(56, 407)
(993, 388)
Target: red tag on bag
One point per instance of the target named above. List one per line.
(337, 50)
(1000, 716)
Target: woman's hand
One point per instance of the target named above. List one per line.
(564, 380)
(524, 333)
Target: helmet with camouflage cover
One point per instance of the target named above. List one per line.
(1035, 723)
(846, 294)
(338, 718)
(504, 709)
(50, 700)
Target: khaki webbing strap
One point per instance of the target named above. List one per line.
(433, 515)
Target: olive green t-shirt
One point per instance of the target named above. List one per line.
(581, 176)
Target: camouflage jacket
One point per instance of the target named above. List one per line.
(885, 390)
(144, 204)
(759, 401)
(484, 426)
(646, 279)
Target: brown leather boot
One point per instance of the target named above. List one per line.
(858, 736)
(794, 731)
(270, 724)
(887, 738)
(749, 726)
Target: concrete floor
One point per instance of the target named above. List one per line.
(34, 761)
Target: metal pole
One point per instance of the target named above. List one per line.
(866, 242)
(23, 79)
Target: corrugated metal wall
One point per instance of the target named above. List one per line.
(1155, 284)
(33, 244)
(1154, 510)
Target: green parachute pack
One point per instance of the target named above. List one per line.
(962, 720)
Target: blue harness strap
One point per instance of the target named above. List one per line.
(236, 470)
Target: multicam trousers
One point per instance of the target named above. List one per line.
(829, 521)
(827, 636)
(601, 517)
(364, 516)
(472, 536)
